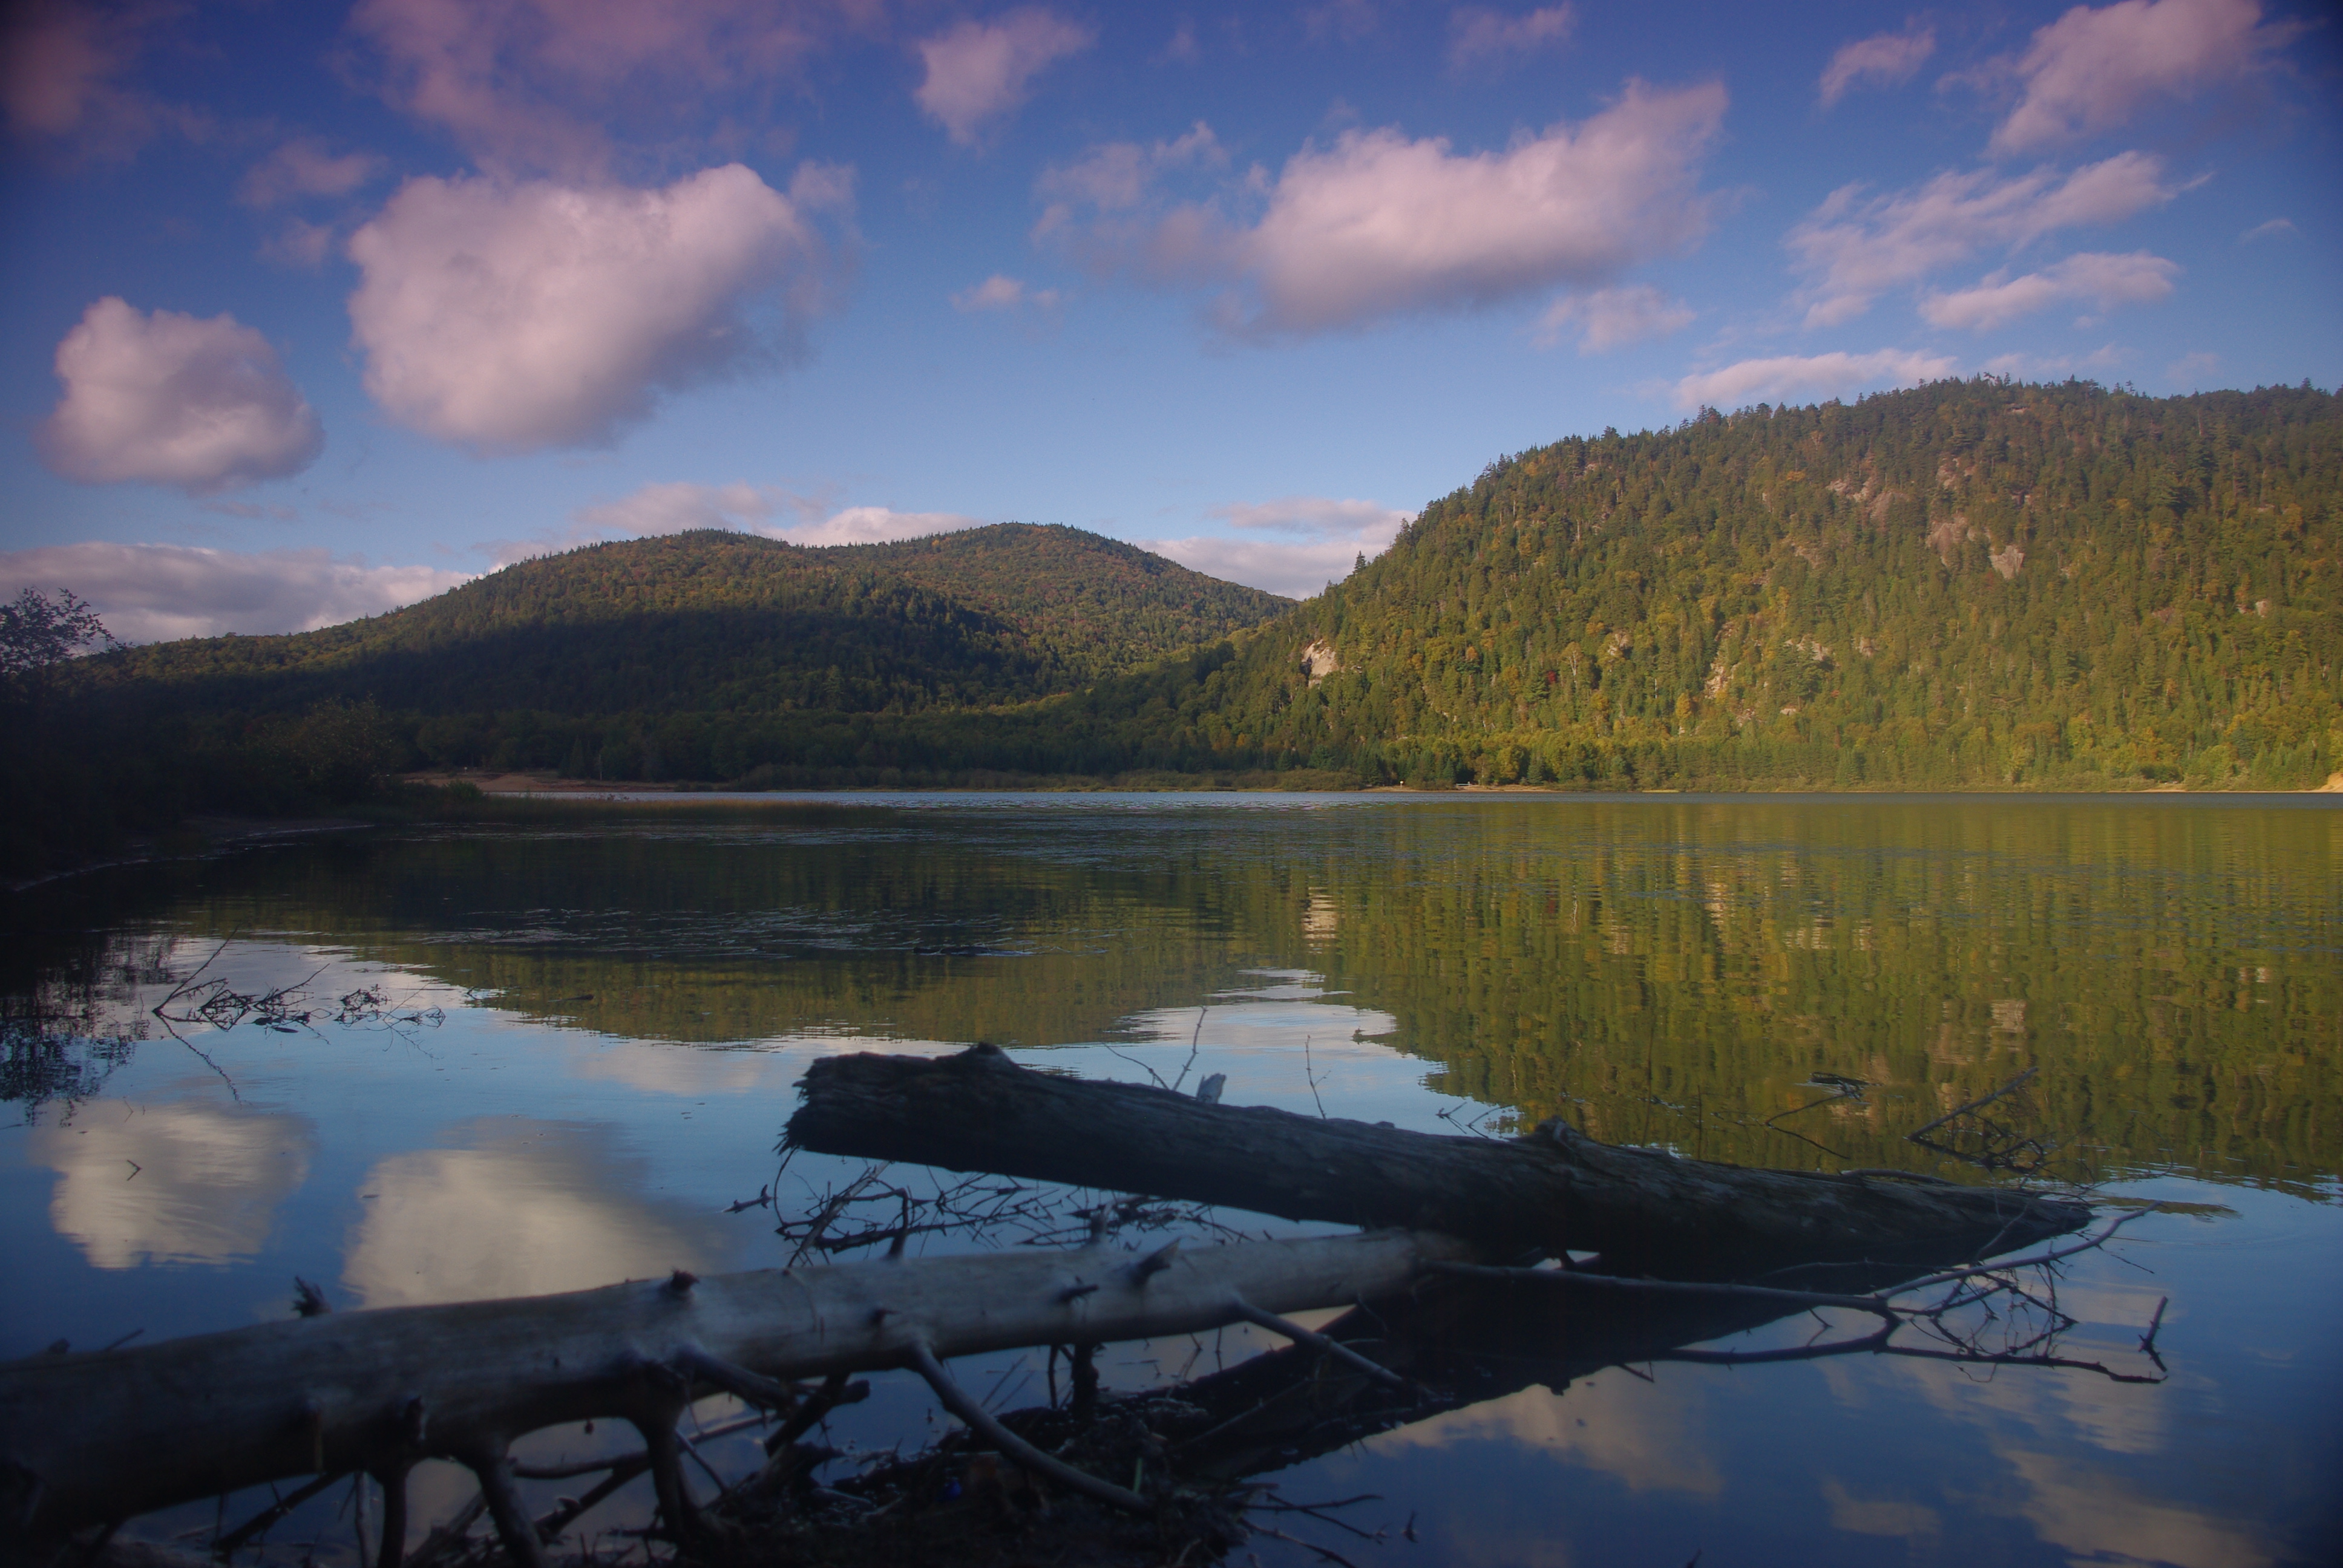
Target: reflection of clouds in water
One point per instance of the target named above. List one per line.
(526, 1208)
(658, 1068)
(2063, 1411)
(2078, 1500)
(2088, 1511)
(172, 1183)
(1876, 1515)
(1644, 1435)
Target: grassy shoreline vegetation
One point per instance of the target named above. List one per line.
(1976, 585)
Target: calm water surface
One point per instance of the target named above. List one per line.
(607, 1021)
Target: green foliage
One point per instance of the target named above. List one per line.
(1971, 584)
(712, 622)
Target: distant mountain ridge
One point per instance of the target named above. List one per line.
(721, 622)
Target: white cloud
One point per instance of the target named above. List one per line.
(2091, 70)
(979, 72)
(1001, 293)
(303, 167)
(2270, 230)
(156, 593)
(1323, 538)
(1856, 248)
(1379, 224)
(2104, 280)
(1476, 34)
(1612, 318)
(201, 405)
(1797, 376)
(1880, 60)
(510, 317)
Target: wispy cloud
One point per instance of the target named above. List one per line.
(1478, 35)
(526, 85)
(2104, 280)
(303, 168)
(1612, 318)
(156, 593)
(1293, 546)
(2093, 70)
(1793, 375)
(1002, 293)
(2275, 228)
(979, 73)
(1855, 248)
(1882, 60)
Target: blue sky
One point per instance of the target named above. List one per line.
(313, 310)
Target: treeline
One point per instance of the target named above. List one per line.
(1971, 584)
(1968, 584)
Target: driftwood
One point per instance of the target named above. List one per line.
(1552, 1191)
(96, 1438)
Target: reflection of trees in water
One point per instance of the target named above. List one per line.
(66, 1019)
(1708, 977)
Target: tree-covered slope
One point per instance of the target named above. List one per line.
(1100, 605)
(718, 622)
(1971, 583)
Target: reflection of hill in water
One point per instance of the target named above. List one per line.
(1666, 972)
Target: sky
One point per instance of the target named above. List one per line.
(309, 311)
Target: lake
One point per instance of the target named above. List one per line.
(552, 1054)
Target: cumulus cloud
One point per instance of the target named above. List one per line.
(526, 86)
(303, 167)
(510, 317)
(156, 593)
(2104, 280)
(174, 400)
(1311, 541)
(1880, 60)
(1002, 293)
(1796, 376)
(1612, 318)
(979, 72)
(1379, 224)
(2092, 70)
(1476, 34)
(1856, 248)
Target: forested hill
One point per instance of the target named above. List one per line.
(1098, 604)
(1970, 583)
(718, 622)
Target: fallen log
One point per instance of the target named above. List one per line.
(100, 1437)
(1554, 1191)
